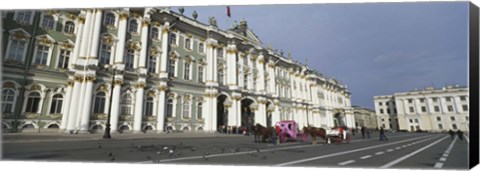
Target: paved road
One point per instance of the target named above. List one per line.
(403, 150)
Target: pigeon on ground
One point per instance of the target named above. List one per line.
(192, 149)
(112, 159)
(110, 154)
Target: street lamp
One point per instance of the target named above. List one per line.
(112, 70)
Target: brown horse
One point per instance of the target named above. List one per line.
(262, 133)
(314, 132)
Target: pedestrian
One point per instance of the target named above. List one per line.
(452, 134)
(278, 130)
(363, 132)
(382, 135)
(353, 131)
(274, 136)
(368, 133)
(460, 135)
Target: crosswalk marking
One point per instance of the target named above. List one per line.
(366, 157)
(346, 162)
(438, 165)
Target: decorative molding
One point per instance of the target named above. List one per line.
(140, 85)
(9, 85)
(118, 82)
(123, 16)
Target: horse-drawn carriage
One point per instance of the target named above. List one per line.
(338, 135)
(289, 131)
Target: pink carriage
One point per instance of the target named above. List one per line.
(289, 131)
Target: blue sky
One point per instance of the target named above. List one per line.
(373, 48)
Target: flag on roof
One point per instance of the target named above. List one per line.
(228, 11)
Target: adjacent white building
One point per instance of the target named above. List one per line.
(429, 109)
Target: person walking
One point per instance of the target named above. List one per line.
(368, 133)
(278, 130)
(363, 132)
(274, 136)
(460, 135)
(452, 134)
(382, 135)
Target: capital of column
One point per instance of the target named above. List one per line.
(140, 85)
(163, 88)
(70, 83)
(145, 23)
(118, 82)
(78, 79)
(123, 16)
(91, 78)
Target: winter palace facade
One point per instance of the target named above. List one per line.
(156, 69)
(429, 109)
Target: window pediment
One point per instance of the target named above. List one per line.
(19, 34)
(45, 40)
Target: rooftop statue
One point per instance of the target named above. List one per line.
(212, 21)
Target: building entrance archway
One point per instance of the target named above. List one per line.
(247, 114)
(339, 119)
(222, 112)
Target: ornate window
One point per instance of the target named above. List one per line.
(100, 99)
(41, 54)
(48, 22)
(200, 74)
(220, 76)
(33, 102)
(245, 81)
(63, 58)
(201, 48)
(154, 33)
(57, 102)
(219, 52)
(109, 19)
(199, 110)
(128, 58)
(173, 39)
(126, 105)
(186, 71)
(105, 53)
(149, 106)
(152, 63)
(186, 107)
(133, 26)
(69, 27)
(8, 100)
(171, 68)
(188, 43)
(24, 17)
(17, 50)
(169, 107)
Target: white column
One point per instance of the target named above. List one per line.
(87, 105)
(161, 111)
(210, 63)
(144, 40)
(164, 56)
(271, 74)
(137, 125)
(261, 73)
(122, 29)
(213, 119)
(232, 114)
(239, 113)
(329, 118)
(232, 67)
(96, 34)
(76, 49)
(261, 114)
(80, 104)
(206, 114)
(73, 107)
(276, 115)
(85, 35)
(115, 105)
(66, 106)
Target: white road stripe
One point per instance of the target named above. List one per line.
(411, 154)
(404, 146)
(398, 148)
(379, 153)
(347, 152)
(390, 150)
(445, 155)
(366, 157)
(438, 165)
(346, 162)
(265, 150)
(443, 159)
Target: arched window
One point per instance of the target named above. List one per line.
(105, 53)
(199, 110)
(173, 39)
(33, 102)
(126, 105)
(48, 22)
(110, 19)
(171, 67)
(8, 99)
(152, 63)
(133, 26)
(186, 108)
(57, 102)
(186, 71)
(128, 58)
(154, 33)
(149, 106)
(69, 27)
(169, 107)
(99, 106)
(188, 44)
